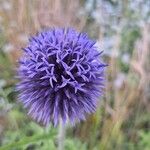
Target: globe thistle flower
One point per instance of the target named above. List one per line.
(61, 76)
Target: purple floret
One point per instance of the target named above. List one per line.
(61, 76)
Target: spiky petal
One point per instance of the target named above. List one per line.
(61, 76)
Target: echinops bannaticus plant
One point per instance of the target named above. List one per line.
(61, 76)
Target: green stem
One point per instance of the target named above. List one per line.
(28, 140)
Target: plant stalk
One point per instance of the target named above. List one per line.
(61, 135)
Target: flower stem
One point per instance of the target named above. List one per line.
(61, 135)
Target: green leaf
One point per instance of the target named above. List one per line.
(29, 140)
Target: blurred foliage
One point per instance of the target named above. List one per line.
(144, 140)
(129, 37)
(122, 120)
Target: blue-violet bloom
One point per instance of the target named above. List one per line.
(61, 76)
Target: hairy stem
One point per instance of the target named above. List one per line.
(61, 135)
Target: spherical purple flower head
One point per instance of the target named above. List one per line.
(61, 76)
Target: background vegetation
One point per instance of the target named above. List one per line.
(122, 30)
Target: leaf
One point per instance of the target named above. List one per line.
(29, 140)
